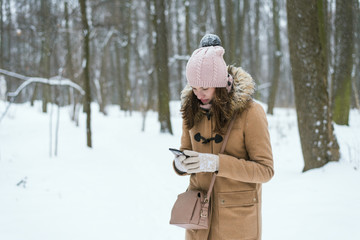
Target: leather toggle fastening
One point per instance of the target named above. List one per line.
(218, 138)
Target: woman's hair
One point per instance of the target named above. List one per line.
(222, 109)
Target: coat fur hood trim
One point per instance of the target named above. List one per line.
(243, 87)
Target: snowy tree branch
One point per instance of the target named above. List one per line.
(54, 81)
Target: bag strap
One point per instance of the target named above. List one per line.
(221, 151)
(227, 134)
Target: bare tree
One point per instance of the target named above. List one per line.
(356, 77)
(319, 144)
(187, 26)
(86, 72)
(45, 19)
(161, 63)
(241, 30)
(219, 24)
(341, 98)
(277, 59)
(231, 33)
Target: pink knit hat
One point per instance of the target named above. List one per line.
(207, 68)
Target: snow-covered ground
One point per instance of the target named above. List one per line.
(124, 187)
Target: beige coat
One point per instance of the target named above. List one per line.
(246, 163)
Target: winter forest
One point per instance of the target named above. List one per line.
(98, 77)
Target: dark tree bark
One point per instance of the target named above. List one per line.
(161, 63)
(69, 67)
(276, 58)
(187, 26)
(231, 32)
(86, 72)
(257, 48)
(319, 144)
(322, 8)
(127, 60)
(45, 11)
(103, 84)
(179, 44)
(10, 39)
(240, 31)
(356, 79)
(219, 25)
(151, 86)
(341, 98)
(202, 15)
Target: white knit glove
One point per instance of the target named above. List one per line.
(200, 162)
(179, 163)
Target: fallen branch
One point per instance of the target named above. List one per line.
(53, 81)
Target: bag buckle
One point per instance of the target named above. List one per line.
(203, 213)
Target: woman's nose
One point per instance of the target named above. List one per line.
(200, 94)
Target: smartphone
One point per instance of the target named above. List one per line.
(177, 152)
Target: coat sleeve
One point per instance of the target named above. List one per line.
(185, 145)
(259, 168)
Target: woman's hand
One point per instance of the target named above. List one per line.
(179, 163)
(200, 162)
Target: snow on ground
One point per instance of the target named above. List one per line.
(124, 187)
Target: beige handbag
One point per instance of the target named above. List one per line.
(192, 208)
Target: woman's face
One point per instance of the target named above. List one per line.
(205, 95)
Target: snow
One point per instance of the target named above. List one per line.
(124, 187)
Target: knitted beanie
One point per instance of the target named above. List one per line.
(207, 68)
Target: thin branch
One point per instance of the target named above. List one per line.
(54, 81)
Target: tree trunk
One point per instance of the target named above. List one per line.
(343, 64)
(241, 30)
(277, 58)
(161, 61)
(319, 144)
(69, 68)
(103, 91)
(187, 26)
(45, 51)
(10, 39)
(119, 77)
(322, 9)
(219, 25)
(179, 43)
(127, 60)
(85, 65)
(356, 79)
(257, 48)
(151, 86)
(231, 33)
(202, 16)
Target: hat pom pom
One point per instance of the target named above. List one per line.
(210, 40)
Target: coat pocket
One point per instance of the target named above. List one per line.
(238, 215)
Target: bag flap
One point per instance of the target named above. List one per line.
(184, 206)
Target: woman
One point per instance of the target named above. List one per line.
(214, 94)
